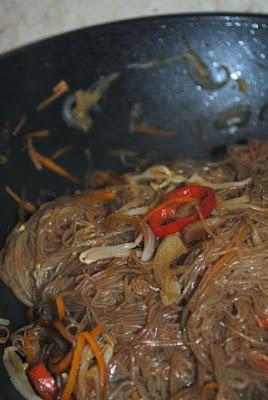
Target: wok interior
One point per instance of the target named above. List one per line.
(197, 137)
(184, 317)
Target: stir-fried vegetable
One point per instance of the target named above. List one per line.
(21, 122)
(28, 206)
(28, 347)
(59, 90)
(64, 332)
(63, 364)
(17, 374)
(185, 314)
(60, 152)
(159, 219)
(99, 357)
(60, 307)
(70, 384)
(43, 382)
(144, 127)
(41, 161)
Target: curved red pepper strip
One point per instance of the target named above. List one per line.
(158, 219)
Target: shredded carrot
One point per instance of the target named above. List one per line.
(21, 122)
(60, 89)
(62, 150)
(63, 364)
(29, 350)
(71, 380)
(208, 387)
(43, 133)
(33, 155)
(31, 150)
(98, 196)
(41, 161)
(99, 357)
(143, 127)
(25, 204)
(46, 162)
(60, 307)
(5, 331)
(63, 331)
(97, 330)
(164, 204)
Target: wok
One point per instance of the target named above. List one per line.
(202, 66)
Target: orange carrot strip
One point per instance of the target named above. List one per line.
(166, 203)
(41, 161)
(31, 150)
(100, 196)
(208, 387)
(63, 364)
(60, 307)
(22, 121)
(63, 331)
(29, 350)
(25, 204)
(46, 162)
(33, 154)
(62, 150)
(99, 357)
(71, 380)
(58, 90)
(143, 127)
(5, 338)
(43, 133)
(97, 330)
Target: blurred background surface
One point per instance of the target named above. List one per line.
(24, 21)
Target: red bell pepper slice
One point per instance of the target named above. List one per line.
(43, 382)
(159, 220)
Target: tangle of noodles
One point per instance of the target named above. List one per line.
(184, 317)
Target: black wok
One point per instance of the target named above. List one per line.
(205, 64)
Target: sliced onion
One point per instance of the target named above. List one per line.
(99, 253)
(169, 249)
(149, 247)
(157, 172)
(137, 211)
(4, 321)
(197, 230)
(17, 374)
(218, 186)
(67, 112)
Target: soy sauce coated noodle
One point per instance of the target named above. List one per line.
(208, 343)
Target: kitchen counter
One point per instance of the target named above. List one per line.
(24, 21)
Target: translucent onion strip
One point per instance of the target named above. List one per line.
(137, 211)
(99, 253)
(4, 321)
(149, 247)
(17, 374)
(219, 186)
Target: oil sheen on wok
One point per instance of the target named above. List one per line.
(152, 287)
